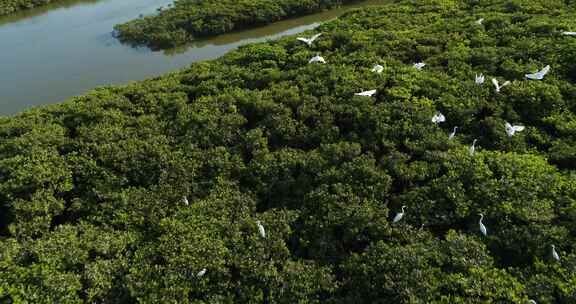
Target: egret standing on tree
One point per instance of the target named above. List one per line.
(419, 65)
(555, 254)
(201, 273)
(452, 134)
(378, 69)
(261, 229)
(399, 215)
(472, 148)
(438, 118)
(483, 229)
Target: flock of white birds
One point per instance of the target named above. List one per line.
(436, 119)
(439, 117)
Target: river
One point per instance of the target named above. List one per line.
(52, 53)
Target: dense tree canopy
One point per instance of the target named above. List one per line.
(187, 20)
(12, 6)
(92, 190)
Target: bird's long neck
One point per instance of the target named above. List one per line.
(481, 217)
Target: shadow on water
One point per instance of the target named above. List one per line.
(277, 29)
(52, 53)
(27, 14)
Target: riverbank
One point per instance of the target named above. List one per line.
(12, 6)
(189, 20)
(262, 177)
(46, 61)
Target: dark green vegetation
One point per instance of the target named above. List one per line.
(91, 189)
(12, 6)
(190, 19)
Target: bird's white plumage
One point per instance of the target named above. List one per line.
(451, 136)
(472, 148)
(555, 254)
(569, 33)
(512, 129)
(261, 229)
(201, 273)
(378, 69)
(185, 199)
(479, 21)
(369, 93)
(399, 215)
(419, 65)
(479, 79)
(498, 86)
(318, 59)
(310, 40)
(438, 118)
(483, 229)
(540, 74)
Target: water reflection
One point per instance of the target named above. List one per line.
(67, 48)
(25, 14)
(299, 24)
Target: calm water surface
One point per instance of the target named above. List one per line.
(52, 53)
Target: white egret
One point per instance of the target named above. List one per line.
(185, 199)
(483, 229)
(317, 58)
(451, 136)
(540, 74)
(399, 215)
(419, 65)
(569, 33)
(377, 69)
(479, 21)
(438, 118)
(555, 254)
(479, 79)
(510, 129)
(532, 301)
(498, 86)
(366, 93)
(261, 229)
(472, 148)
(310, 40)
(201, 273)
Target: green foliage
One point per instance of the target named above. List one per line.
(12, 6)
(456, 270)
(91, 190)
(187, 20)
